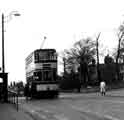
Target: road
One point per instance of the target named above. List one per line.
(72, 106)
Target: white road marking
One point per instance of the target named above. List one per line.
(39, 115)
(56, 116)
(94, 113)
(110, 117)
(60, 117)
(112, 101)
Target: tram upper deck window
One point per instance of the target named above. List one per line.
(45, 55)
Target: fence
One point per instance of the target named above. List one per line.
(13, 98)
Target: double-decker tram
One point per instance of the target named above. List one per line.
(41, 73)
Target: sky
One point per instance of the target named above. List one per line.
(63, 22)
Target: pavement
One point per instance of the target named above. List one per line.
(9, 112)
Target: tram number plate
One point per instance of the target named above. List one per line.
(46, 87)
(41, 88)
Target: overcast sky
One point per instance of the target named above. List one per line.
(63, 22)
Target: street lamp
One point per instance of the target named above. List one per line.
(13, 13)
(4, 75)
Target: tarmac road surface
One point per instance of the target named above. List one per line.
(72, 106)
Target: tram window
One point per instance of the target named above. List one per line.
(47, 76)
(38, 76)
(1, 80)
(54, 75)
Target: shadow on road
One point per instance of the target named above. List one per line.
(114, 96)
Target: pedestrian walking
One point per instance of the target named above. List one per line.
(103, 88)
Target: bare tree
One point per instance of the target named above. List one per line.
(81, 55)
(120, 39)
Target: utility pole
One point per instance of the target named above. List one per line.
(4, 75)
(3, 58)
(97, 49)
